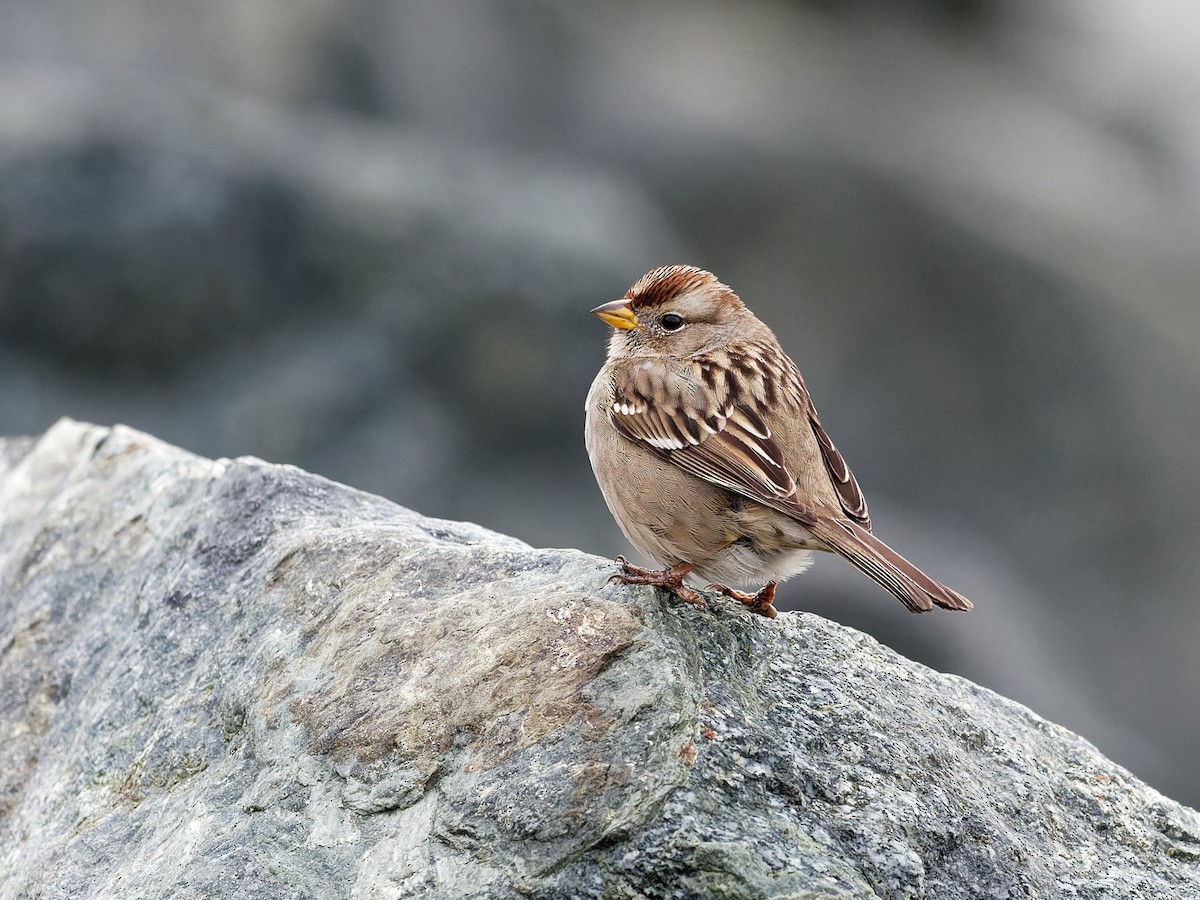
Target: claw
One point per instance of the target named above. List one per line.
(671, 579)
(761, 602)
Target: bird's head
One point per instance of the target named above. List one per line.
(674, 311)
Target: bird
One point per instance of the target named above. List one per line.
(711, 456)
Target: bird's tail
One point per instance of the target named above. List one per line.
(886, 567)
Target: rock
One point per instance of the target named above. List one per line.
(230, 677)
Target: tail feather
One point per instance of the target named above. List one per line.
(886, 567)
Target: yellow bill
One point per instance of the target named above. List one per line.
(618, 314)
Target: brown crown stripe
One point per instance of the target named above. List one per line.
(662, 285)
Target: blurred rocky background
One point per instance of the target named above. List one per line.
(363, 237)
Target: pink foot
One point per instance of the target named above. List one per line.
(762, 602)
(671, 579)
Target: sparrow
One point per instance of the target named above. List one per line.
(712, 459)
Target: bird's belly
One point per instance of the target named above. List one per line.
(683, 522)
(741, 565)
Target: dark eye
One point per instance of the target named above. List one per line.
(671, 322)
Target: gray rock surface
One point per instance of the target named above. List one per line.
(231, 678)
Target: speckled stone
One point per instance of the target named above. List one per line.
(230, 678)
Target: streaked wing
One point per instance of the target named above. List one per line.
(850, 495)
(714, 427)
(725, 442)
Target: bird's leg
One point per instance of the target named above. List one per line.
(671, 579)
(762, 602)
